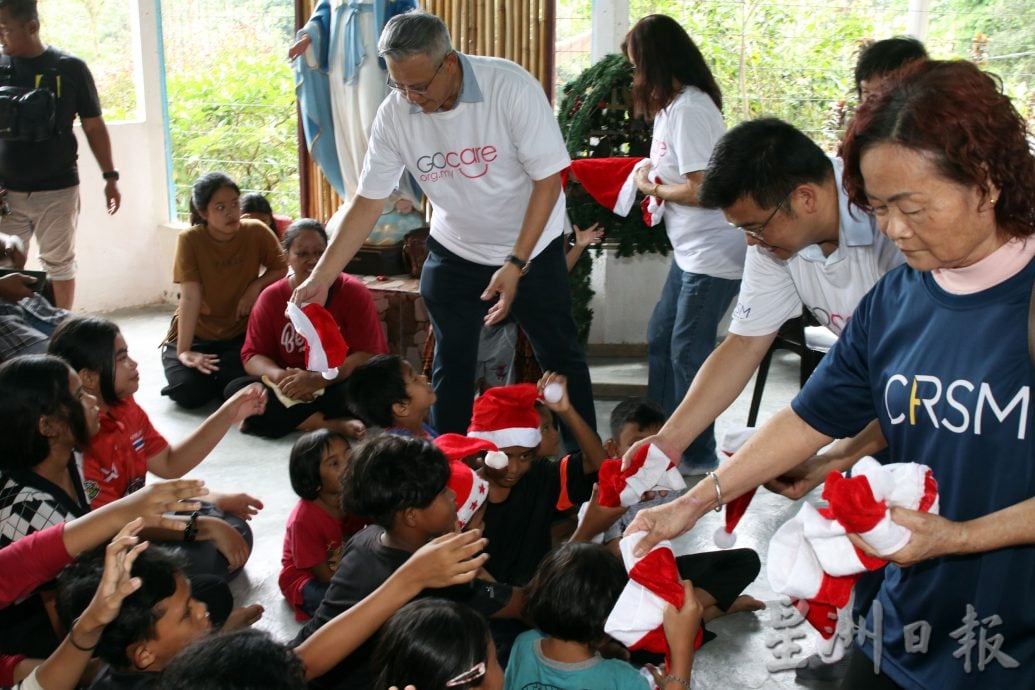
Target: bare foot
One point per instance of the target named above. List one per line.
(745, 603)
(243, 617)
(741, 603)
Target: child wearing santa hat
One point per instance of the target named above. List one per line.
(401, 484)
(526, 491)
(568, 602)
(387, 392)
(719, 576)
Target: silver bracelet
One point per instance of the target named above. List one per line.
(718, 493)
(684, 683)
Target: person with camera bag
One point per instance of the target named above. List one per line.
(42, 90)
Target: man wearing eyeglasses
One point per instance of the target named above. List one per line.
(479, 136)
(807, 246)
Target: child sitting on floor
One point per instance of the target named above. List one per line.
(434, 643)
(568, 601)
(388, 393)
(317, 527)
(127, 446)
(156, 621)
(719, 577)
(400, 484)
(526, 494)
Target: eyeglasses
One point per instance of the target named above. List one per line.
(468, 676)
(757, 232)
(416, 90)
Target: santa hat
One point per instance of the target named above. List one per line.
(638, 616)
(732, 441)
(325, 347)
(810, 556)
(611, 182)
(470, 489)
(650, 469)
(458, 447)
(506, 416)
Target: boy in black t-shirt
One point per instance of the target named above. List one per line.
(399, 483)
(526, 495)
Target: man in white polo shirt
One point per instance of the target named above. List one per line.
(806, 246)
(480, 137)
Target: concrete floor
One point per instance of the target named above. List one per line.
(747, 645)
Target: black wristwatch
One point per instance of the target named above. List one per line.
(522, 265)
(111, 175)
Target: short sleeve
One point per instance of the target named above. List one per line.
(261, 337)
(88, 103)
(356, 314)
(382, 166)
(272, 254)
(691, 131)
(767, 297)
(842, 376)
(534, 130)
(185, 265)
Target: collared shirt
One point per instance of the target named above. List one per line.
(774, 290)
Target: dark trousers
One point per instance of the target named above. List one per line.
(451, 288)
(723, 574)
(860, 675)
(278, 421)
(189, 387)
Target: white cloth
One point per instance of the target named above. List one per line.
(354, 106)
(476, 162)
(773, 291)
(685, 132)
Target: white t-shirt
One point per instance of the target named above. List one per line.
(476, 162)
(685, 132)
(774, 291)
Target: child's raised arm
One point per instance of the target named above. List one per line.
(64, 668)
(451, 559)
(593, 453)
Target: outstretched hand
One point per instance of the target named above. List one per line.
(116, 581)
(662, 522)
(451, 559)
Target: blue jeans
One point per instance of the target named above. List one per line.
(451, 288)
(680, 336)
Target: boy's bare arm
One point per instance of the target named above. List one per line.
(593, 453)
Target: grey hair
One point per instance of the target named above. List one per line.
(414, 33)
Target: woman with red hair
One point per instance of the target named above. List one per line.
(938, 353)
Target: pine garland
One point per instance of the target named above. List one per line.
(596, 120)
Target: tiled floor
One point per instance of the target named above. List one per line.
(740, 657)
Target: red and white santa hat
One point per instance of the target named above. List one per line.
(458, 447)
(471, 491)
(325, 346)
(611, 182)
(638, 616)
(506, 416)
(810, 556)
(732, 440)
(649, 470)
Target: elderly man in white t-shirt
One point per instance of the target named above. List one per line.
(479, 136)
(806, 246)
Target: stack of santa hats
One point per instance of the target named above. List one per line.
(812, 560)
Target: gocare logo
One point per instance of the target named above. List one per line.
(959, 406)
(472, 162)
